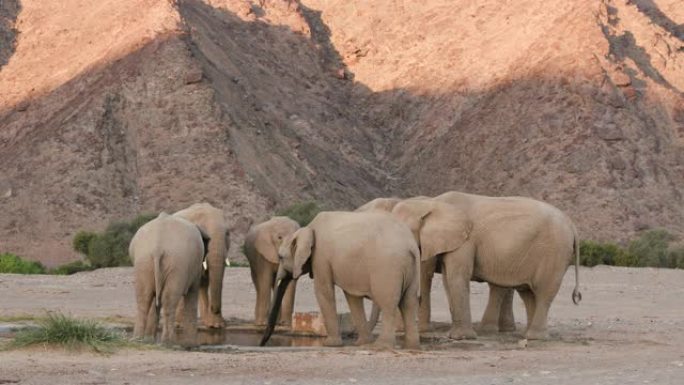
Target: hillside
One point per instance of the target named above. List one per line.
(146, 105)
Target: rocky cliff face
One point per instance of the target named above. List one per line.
(151, 105)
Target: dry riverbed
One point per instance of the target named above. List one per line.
(629, 329)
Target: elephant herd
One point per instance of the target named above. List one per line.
(387, 250)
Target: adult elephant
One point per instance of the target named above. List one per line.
(498, 315)
(210, 219)
(510, 242)
(167, 255)
(368, 255)
(261, 249)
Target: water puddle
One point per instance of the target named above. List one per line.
(247, 337)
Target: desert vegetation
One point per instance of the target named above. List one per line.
(59, 330)
(109, 248)
(653, 248)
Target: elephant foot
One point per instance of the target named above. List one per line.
(285, 324)
(363, 340)
(507, 327)
(412, 343)
(214, 321)
(537, 334)
(332, 341)
(425, 328)
(488, 328)
(462, 333)
(382, 344)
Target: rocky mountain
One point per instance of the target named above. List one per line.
(111, 108)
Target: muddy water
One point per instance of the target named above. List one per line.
(252, 338)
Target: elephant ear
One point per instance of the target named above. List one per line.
(302, 246)
(265, 246)
(443, 229)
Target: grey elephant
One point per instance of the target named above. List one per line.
(368, 255)
(498, 315)
(211, 220)
(261, 249)
(167, 255)
(510, 242)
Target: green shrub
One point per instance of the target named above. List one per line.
(71, 268)
(626, 259)
(302, 212)
(676, 258)
(595, 253)
(110, 248)
(60, 330)
(81, 241)
(10, 263)
(651, 248)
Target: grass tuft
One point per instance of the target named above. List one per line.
(60, 330)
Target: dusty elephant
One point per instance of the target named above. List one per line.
(211, 221)
(368, 255)
(261, 249)
(510, 242)
(167, 255)
(498, 315)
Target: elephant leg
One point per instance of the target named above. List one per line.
(287, 308)
(409, 308)
(543, 295)
(490, 318)
(145, 304)
(325, 296)
(506, 318)
(264, 281)
(152, 322)
(427, 272)
(180, 313)
(204, 300)
(169, 304)
(457, 271)
(216, 267)
(529, 301)
(190, 316)
(358, 318)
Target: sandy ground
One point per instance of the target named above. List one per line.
(629, 329)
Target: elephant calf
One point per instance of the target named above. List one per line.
(167, 255)
(368, 255)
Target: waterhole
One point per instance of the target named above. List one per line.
(239, 337)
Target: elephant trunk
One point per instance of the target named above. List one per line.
(275, 309)
(216, 262)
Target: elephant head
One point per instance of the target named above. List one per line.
(295, 253)
(269, 239)
(295, 258)
(437, 227)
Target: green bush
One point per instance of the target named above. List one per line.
(651, 248)
(71, 268)
(626, 259)
(302, 212)
(110, 248)
(10, 263)
(60, 330)
(82, 240)
(676, 258)
(595, 253)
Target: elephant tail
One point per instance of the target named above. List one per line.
(157, 280)
(576, 295)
